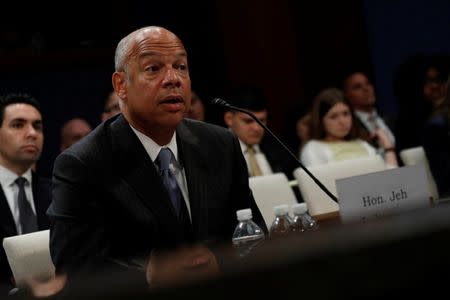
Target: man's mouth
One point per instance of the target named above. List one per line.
(175, 103)
(29, 148)
(172, 100)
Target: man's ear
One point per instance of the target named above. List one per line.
(228, 118)
(119, 83)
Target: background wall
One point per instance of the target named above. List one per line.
(400, 29)
(63, 55)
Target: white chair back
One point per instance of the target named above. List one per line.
(29, 256)
(319, 203)
(269, 191)
(416, 156)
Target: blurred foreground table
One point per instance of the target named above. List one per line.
(397, 255)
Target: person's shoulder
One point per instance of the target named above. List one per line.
(312, 147)
(366, 145)
(311, 144)
(359, 141)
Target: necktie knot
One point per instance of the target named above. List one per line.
(255, 170)
(164, 158)
(20, 181)
(251, 150)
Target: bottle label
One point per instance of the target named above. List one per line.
(247, 238)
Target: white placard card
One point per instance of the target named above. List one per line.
(382, 193)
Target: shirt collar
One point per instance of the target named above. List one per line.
(365, 115)
(153, 148)
(244, 147)
(8, 177)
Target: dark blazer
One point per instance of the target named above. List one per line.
(280, 161)
(42, 198)
(277, 157)
(110, 204)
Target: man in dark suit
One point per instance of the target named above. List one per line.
(146, 179)
(21, 141)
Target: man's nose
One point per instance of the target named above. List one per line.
(31, 131)
(172, 78)
(257, 127)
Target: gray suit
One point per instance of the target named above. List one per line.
(110, 203)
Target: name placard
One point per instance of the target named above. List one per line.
(382, 193)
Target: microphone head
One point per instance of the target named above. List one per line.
(219, 101)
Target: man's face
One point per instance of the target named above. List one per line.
(433, 88)
(74, 131)
(245, 128)
(111, 108)
(156, 88)
(359, 91)
(197, 110)
(21, 136)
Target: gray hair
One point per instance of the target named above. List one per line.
(123, 49)
(121, 53)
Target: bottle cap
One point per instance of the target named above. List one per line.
(244, 214)
(299, 208)
(281, 209)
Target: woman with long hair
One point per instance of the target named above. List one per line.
(334, 135)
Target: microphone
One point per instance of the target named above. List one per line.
(223, 103)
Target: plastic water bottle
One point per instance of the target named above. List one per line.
(247, 233)
(302, 220)
(281, 226)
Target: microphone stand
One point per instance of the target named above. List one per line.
(223, 103)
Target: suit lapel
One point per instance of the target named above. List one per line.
(6, 218)
(194, 161)
(138, 172)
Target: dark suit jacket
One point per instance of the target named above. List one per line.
(110, 204)
(278, 158)
(42, 198)
(280, 161)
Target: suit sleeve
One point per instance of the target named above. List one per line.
(77, 232)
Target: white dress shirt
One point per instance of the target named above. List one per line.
(11, 191)
(260, 158)
(176, 168)
(317, 152)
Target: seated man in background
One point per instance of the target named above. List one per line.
(149, 178)
(359, 91)
(73, 131)
(111, 106)
(262, 154)
(24, 197)
(197, 109)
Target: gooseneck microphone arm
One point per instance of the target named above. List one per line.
(223, 103)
